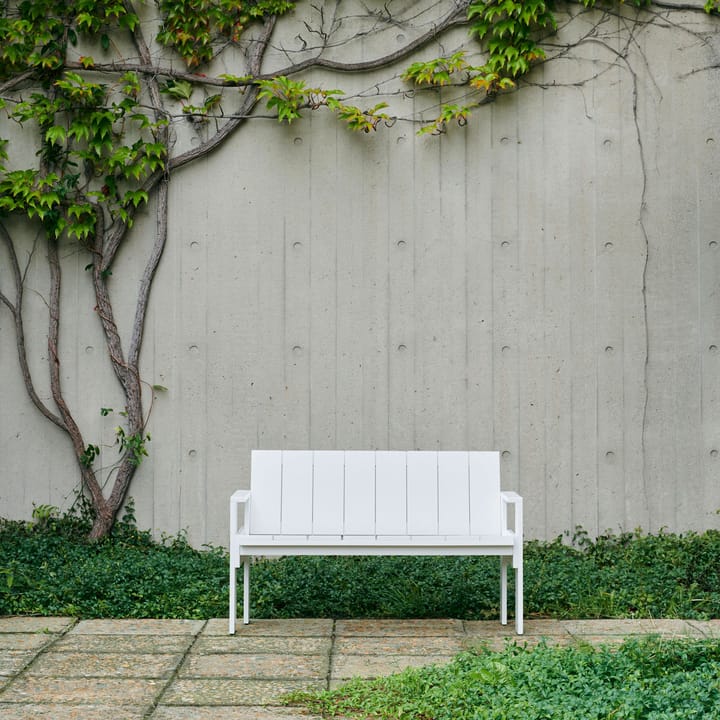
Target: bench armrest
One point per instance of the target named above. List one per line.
(240, 496)
(508, 498)
(237, 499)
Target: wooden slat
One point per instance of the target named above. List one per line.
(328, 494)
(422, 502)
(266, 492)
(359, 493)
(297, 500)
(454, 493)
(485, 515)
(391, 493)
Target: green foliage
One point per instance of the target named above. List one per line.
(52, 569)
(97, 146)
(286, 96)
(357, 119)
(88, 457)
(438, 71)
(192, 26)
(37, 35)
(511, 29)
(133, 444)
(639, 680)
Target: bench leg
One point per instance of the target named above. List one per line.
(519, 599)
(233, 600)
(246, 591)
(503, 590)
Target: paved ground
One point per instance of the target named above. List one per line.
(62, 668)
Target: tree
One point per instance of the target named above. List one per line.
(98, 87)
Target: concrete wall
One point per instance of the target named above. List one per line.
(545, 282)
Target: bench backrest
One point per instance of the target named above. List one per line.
(375, 493)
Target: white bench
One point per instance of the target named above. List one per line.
(375, 503)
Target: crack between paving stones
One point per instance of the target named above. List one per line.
(174, 674)
(20, 675)
(331, 656)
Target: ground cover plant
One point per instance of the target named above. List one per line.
(48, 566)
(640, 680)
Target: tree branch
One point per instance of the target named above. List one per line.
(149, 274)
(16, 311)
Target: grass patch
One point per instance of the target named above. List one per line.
(48, 568)
(648, 679)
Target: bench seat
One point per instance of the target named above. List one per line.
(376, 503)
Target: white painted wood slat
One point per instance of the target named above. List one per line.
(422, 499)
(266, 492)
(454, 493)
(297, 505)
(484, 473)
(391, 493)
(328, 492)
(359, 492)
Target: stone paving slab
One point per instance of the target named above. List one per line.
(228, 712)
(256, 666)
(62, 669)
(119, 665)
(224, 691)
(300, 627)
(83, 691)
(138, 627)
(709, 628)
(395, 628)
(71, 712)
(13, 661)
(25, 641)
(621, 626)
(398, 645)
(256, 644)
(492, 628)
(345, 667)
(12, 624)
(132, 644)
(497, 644)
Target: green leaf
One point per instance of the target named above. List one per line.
(55, 135)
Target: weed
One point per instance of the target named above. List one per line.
(649, 678)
